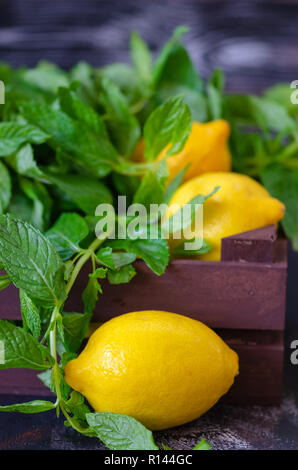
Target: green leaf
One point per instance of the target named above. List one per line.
(141, 57)
(281, 94)
(154, 252)
(14, 134)
(112, 260)
(76, 405)
(169, 123)
(214, 101)
(202, 445)
(120, 432)
(5, 187)
(66, 234)
(85, 191)
(167, 50)
(46, 76)
(122, 259)
(99, 273)
(122, 275)
(4, 283)
(90, 294)
(165, 447)
(30, 314)
(21, 350)
(23, 162)
(31, 261)
(122, 124)
(91, 151)
(268, 115)
(180, 251)
(152, 187)
(77, 109)
(105, 257)
(282, 183)
(36, 406)
(42, 203)
(75, 328)
(174, 185)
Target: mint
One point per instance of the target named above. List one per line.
(21, 350)
(123, 126)
(75, 327)
(142, 58)
(31, 261)
(202, 445)
(14, 134)
(170, 123)
(66, 234)
(36, 406)
(85, 191)
(5, 187)
(93, 152)
(154, 252)
(30, 314)
(122, 275)
(120, 432)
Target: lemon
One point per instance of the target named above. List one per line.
(161, 368)
(205, 150)
(239, 205)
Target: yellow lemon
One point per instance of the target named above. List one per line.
(206, 149)
(239, 205)
(161, 368)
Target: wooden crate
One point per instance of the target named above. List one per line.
(242, 297)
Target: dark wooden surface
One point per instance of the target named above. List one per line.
(255, 42)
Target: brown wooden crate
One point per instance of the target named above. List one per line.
(243, 298)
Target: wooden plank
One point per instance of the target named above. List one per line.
(255, 245)
(222, 295)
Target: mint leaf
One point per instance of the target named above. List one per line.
(180, 250)
(166, 51)
(169, 123)
(250, 109)
(77, 109)
(91, 151)
(282, 183)
(122, 275)
(202, 445)
(14, 134)
(122, 124)
(141, 57)
(66, 234)
(106, 257)
(5, 187)
(36, 406)
(46, 76)
(41, 202)
(174, 185)
(21, 350)
(30, 314)
(90, 294)
(23, 162)
(152, 187)
(154, 252)
(85, 191)
(120, 432)
(31, 261)
(75, 328)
